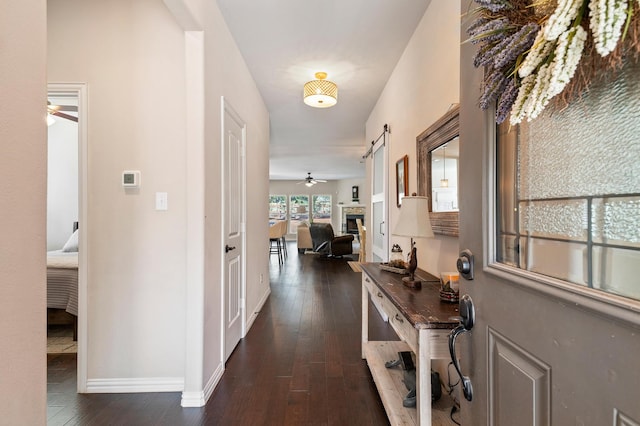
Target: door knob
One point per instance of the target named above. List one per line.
(468, 314)
(228, 248)
(465, 264)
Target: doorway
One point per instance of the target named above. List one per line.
(67, 198)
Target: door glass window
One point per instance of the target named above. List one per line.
(568, 186)
(321, 208)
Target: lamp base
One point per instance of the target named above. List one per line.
(411, 283)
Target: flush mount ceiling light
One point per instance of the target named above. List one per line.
(320, 93)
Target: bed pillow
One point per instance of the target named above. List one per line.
(72, 243)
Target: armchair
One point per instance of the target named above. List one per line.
(325, 242)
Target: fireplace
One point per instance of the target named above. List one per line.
(352, 226)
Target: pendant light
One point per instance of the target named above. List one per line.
(320, 93)
(444, 182)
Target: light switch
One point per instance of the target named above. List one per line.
(162, 202)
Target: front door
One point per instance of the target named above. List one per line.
(234, 145)
(550, 211)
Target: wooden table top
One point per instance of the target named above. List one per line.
(423, 308)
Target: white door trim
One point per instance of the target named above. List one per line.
(80, 89)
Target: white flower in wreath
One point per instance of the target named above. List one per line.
(606, 20)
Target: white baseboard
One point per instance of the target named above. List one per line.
(129, 385)
(251, 319)
(199, 399)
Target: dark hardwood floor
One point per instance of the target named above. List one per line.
(299, 364)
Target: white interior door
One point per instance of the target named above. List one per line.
(378, 229)
(556, 258)
(233, 129)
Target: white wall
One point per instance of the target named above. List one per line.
(226, 74)
(131, 55)
(23, 163)
(139, 63)
(420, 90)
(62, 181)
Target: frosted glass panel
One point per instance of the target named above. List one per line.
(590, 148)
(557, 259)
(617, 271)
(573, 199)
(555, 219)
(378, 171)
(617, 221)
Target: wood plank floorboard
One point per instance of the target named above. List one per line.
(298, 365)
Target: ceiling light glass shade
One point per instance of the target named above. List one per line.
(309, 184)
(320, 93)
(444, 183)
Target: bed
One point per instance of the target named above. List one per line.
(62, 284)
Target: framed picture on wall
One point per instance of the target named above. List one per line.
(402, 179)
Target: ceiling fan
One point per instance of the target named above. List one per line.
(309, 181)
(57, 110)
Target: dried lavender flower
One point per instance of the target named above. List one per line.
(483, 56)
(506, 100)
(517, 44)
(490, 31)
(493, 86)
(495, 5)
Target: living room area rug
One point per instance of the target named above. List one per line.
(355, 266)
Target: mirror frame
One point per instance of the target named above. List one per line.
(442, 131)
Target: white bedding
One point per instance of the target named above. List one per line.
(62, 281)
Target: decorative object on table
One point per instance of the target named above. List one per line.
(397, 269)
(530, 51)
(402, 179)
(396, 255)
(450, 287)
(414, 222)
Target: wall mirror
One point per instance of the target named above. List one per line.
(438, 153)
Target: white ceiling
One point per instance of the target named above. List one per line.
(285, 42)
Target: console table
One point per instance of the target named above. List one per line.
(423, 324)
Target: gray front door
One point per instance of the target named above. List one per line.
(557, 333)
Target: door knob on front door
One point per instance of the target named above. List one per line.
(228, 248)
(468, 318)
(465, 264)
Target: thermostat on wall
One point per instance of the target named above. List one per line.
(131, 179)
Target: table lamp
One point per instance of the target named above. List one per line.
(413, 222)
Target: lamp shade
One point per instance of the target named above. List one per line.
(414, 219)
(320, 93)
